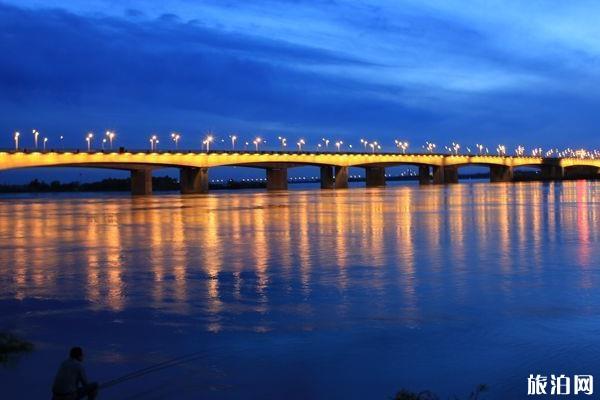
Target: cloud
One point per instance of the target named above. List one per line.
(343, 68)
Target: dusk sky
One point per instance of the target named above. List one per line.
(490, 71)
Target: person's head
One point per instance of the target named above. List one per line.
(76, 353)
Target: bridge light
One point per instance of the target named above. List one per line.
(17, 134)
(455, 148)
(300, 143)
(153, 142)
(338, 144)
(233, 139)
(175, 136)
(282, 141)
(35, 137)
(501, 150)
(257, 142)
(110, 135)
(88, 139)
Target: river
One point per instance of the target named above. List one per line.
(308, 293)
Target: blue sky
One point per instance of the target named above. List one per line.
(487, 71)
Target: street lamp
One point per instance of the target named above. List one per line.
(401, 145)
(233, 139)
(520, 150)
(17, 134)
(430, 147)
(326, 143)
(175, 137)
(110, 135)
(62, 145)
(35, 137)
(501, 150)
(364, 142)
(282, 141)
(300, 143)
(338, 144)
(153, 142)
(256, 142)
(209, 139)
(455, 147)
(103, 143)
(88, 139)
(45, 140)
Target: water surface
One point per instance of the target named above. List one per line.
(306, 294)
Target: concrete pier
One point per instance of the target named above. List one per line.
(141, 182)
(438, 175)
(327, 181)
(501, 173)
(277, 178)
(193, 180)
(341, 178)
(552, 172)
(424, 176)
(375, 176)
(451, 174)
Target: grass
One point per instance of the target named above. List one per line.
(11, 345)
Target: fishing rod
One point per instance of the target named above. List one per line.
(155, 367)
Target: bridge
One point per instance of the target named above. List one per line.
(194, 166)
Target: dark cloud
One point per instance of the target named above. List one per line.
(64, 71)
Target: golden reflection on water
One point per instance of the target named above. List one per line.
(230, 252)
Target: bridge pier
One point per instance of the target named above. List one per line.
(553, 172)
(438, 175)
(501, 173)
(141, 182)
(451, 174)
(341, 178)
(327, 177)
(193, 180)
(277, 178)
(424, 176)
(375, 176)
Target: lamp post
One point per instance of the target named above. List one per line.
(338, 144)
(175, 136)
(256, 142)
(300, 143)
(17, 134)
(35, 137)
(282, 141)
(44, 143)
(209, 139)
(455, 147)
(153, 142)
(233, 139)
(110, 135)
(103, 143)
(326, 143)
(88, 139)
(365, 143)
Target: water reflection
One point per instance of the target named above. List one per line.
(223, 255)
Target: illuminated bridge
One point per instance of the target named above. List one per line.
(194, 166)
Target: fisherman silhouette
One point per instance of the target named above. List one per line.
(71, 381)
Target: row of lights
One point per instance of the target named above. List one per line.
(374, 146)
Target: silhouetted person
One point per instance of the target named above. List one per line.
(71, 381)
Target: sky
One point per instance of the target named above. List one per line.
(492, 72)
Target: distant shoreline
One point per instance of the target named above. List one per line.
(167, 183)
